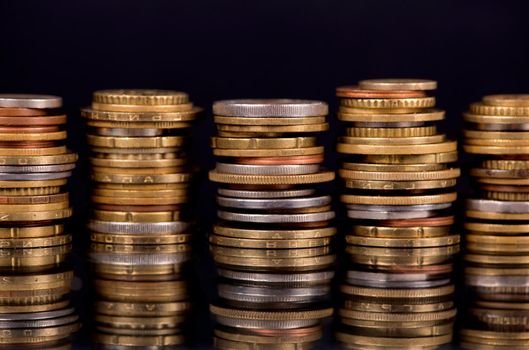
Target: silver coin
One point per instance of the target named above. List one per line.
(398, 284)
(499, 173)
(501, 127)
(36, 315)
(36, 168)
(399, 208)
(265, 324)
(276, 218)
(388, 124)
(270, 108)
(289, 203)
(389, 277)
(272, 295)
(243, 169)
(139, 258)
(52, 322)
(139, 228)
(29, 101)
(489, 205)
(265, 194)
(155, 150)
(497, 281)
(35, 176)
(310, 277)
(122, 132)
(390, 215)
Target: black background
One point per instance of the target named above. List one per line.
(240, 48)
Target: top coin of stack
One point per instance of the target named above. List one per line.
(34, 167)
(399, 189)
(272, 241)
(497, 224)
(140, 231)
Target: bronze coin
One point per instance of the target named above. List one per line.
(46, 120)
(311, 159)
(296, 332)
(260, 187)
(505, 188)
(28, 130)
(430, 269)
(27, 144)
(21, 112)
(354, 91)
(139, 208)
(437, 221)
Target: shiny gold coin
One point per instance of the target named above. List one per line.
(497, 142)
(36, 216)
(138, 341)
(140, 273)
(31, 152)
(416, 251)
(504, 249)
(9, 184)
(495, 216)
(143, 187)
(497, 259)
(401, 232)
(65, 158)
(393, 342)
(136, 142)
(500, 181)
(142, 125)
(387, 293)
(270, 315)
(495, 119)
(347, 114)
(507, 100)
(60, 304)
(496, 135)
(140, 117)
(183, 107)
(403, 242)
(123, 216)
(36, 191)
(392, 140)
(396, 317)
(139, 171)
(266, 339)
(322, 176)
(33, 282)
(269, 253)
(25, 208)
(496, 271)
(442, 147)
(140, 201)
(262, 143)
(491, 228)
(136, 239)
(392, 167)
(134, 163)
(518, 111)
(268, 244)
(39, 335)
(25, 243)
(274, 128)
(31, 232)
(399, 185)
(274, 234)
(432, 158)
(398, 84)
(134, 194)
(151, 322)
(45, 136)
(147, 97)
(268, 121)
(225, 344)
(502, 164)
(141, 309)
(388, 103)
(423, 131)
(273, 152)
(400, 175)
(497, 150)
(388, 262)
(140, 179)
(298, 264)
(399, 200)
(506, 196)
(397, 308)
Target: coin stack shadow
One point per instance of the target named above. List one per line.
(497, 224)
(271, 244)
(398, 192)
(140, 229)
(35, 279)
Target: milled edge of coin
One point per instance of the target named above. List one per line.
(29, 101)
(322, 176)
(270, 108)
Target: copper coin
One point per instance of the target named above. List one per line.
(27, 144)
(29, 130)
(47, 120)
(21, 112)
(438, 221)
(500, 188)
(354, 91)
(296, 332)
(431, 269)
(261, 187)
(312, 159)
(140, 208)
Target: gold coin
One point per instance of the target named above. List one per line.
(298, 264)
(141, 309)
(400, 175)
(270, 253)
(31, 152)
(139, 171)
(391, 251)
(398, 84)
(262, 143)
(501, 240)
(138, 341)
(19, 208)
(268, 244)
(123, 216)
(393, 342)
(144, 249)
(150, 239)
(388, 103)
(183, 107)
(270, 315)
(163, 272)
(502, 164)
(45, 136)
(507, 100)
(9, 184)
(135, 194)
(497, 259)
(273, 152)
(403, 242)
(265, 339)
(133, 163)
(422, 131)
(225, 344)
(432, 158)
(500, 181)
(496, 135)
(37, 191)
(392, 167)
(268, 121)
(388, 262)
(387, 293)
(442, 147)
(15, 309)
(496, 248)
(35, 281)
(140, 117)
(495, 216)
(496, 228)
(274, 128)
(322, 176)
(12, 159)
(490, 271)
(274, 234)
(401, 232)
(31, 232)
(143, 187)
(148, 97)
(399, 185)
(494, 119)
(38, 335)
(500, 150)
(398, 317)
(136, 142)
(350, 115)
(36, 215)
(141, 179)
(396, 308)
(399, 200)
(26, 243)
(392, 140)
(151, 322)
(497, 142)
(480, 108)
(140, 201)
(140, 125)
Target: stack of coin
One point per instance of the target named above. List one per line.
(399, 191)
(140, 227)
(271, 243)
(34, 168)
(497, 224)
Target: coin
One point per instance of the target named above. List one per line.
(398, 84)
(29, 101)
